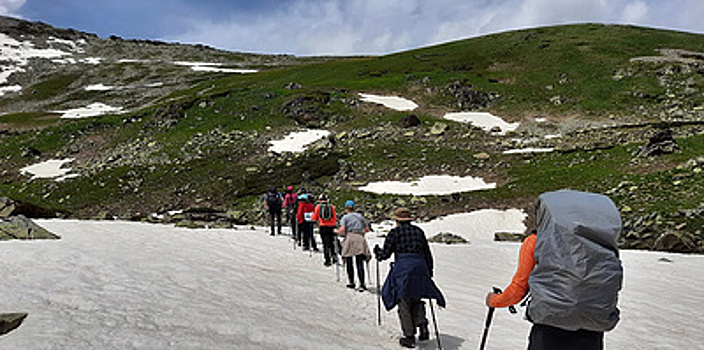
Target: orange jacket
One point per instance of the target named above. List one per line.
(327, 223)
(518, 288)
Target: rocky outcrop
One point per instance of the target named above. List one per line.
(19, 227)
(10, 322)
(508, 237)
(7, 207)
(661, 143)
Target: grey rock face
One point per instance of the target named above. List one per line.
(7, 206)
(19, 227)
(10, 322)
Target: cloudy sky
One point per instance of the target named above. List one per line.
(341, 27)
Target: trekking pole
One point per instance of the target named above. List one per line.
(435, 324)
(378, 294)
(489, 317)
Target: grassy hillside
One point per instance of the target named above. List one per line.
(204, 148)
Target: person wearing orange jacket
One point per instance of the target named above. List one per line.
(326, 217)
(542, 337)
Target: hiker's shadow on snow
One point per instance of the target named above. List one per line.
(449, 342)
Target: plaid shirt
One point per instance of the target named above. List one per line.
(406, 238)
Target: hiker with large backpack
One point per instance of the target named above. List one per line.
(410, 278)
(571, 268)
(273, 204)
(326, 217)
(291, 206)
(305, 222)
(353, 227)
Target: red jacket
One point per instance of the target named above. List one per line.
(303, 208)
(327, 223)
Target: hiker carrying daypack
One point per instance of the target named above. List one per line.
(572, 270)
(273, 203)
(326, 217)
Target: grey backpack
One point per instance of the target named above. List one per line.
(578, 273)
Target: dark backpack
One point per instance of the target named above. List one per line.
(578, 273)
(273, 201)
(326, 211)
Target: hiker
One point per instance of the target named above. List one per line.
(273, 203)
(353, 226)
(305, 222)
(410, 278)
(570, 266)
(291, 206)
(326, 217)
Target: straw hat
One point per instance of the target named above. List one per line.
(402, 214)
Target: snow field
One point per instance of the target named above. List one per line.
(486, 121)
(429, 185)
(297, 142)
(134, 285)
(392, 102)
(529, 150)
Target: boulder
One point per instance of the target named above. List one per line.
(508, 237)
(448, 238)
(7, 207)
(409, 121)
(438, 129)
(663, 142)
(19, 227)
(676, 242)
(10, 322)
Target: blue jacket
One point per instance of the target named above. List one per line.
(409, 279)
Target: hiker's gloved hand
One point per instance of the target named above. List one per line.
(377, 252)
(489, 297)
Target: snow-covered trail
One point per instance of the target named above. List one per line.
(117, 285)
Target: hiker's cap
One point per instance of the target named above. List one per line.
(303, 197)
(290, 188)
(349, 204)
(402, 214)
(323, 197)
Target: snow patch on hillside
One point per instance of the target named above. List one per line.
(297, 142)
(92, 110)
(9, 89)
(16, 54)
(429, 185)
(393, 102)
(99, 87)
(529, 150)
(213, 67)
(52, 168)
(486, 121)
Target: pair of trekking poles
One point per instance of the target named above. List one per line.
(378, 306)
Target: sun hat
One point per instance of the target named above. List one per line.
(323, 197)
(290, 188)
(303, 197)
(402, 214)
(349, 204)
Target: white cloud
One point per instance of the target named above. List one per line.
(9, 7)
(315, 27)
(636, 12)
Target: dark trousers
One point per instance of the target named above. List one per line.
(411, 313)
(544, 337)
(275, 215)
(327, 234)
(306, 229)
(293, 222)
(359, 260)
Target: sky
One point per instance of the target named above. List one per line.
(341, 27)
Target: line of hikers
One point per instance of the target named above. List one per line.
(569, 273)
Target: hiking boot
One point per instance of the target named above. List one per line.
(316, 250)
(362, 288)
(271, 234)
(305, 249)
(424, 332)
(408, 342)
(350, 285)
(327, 264)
